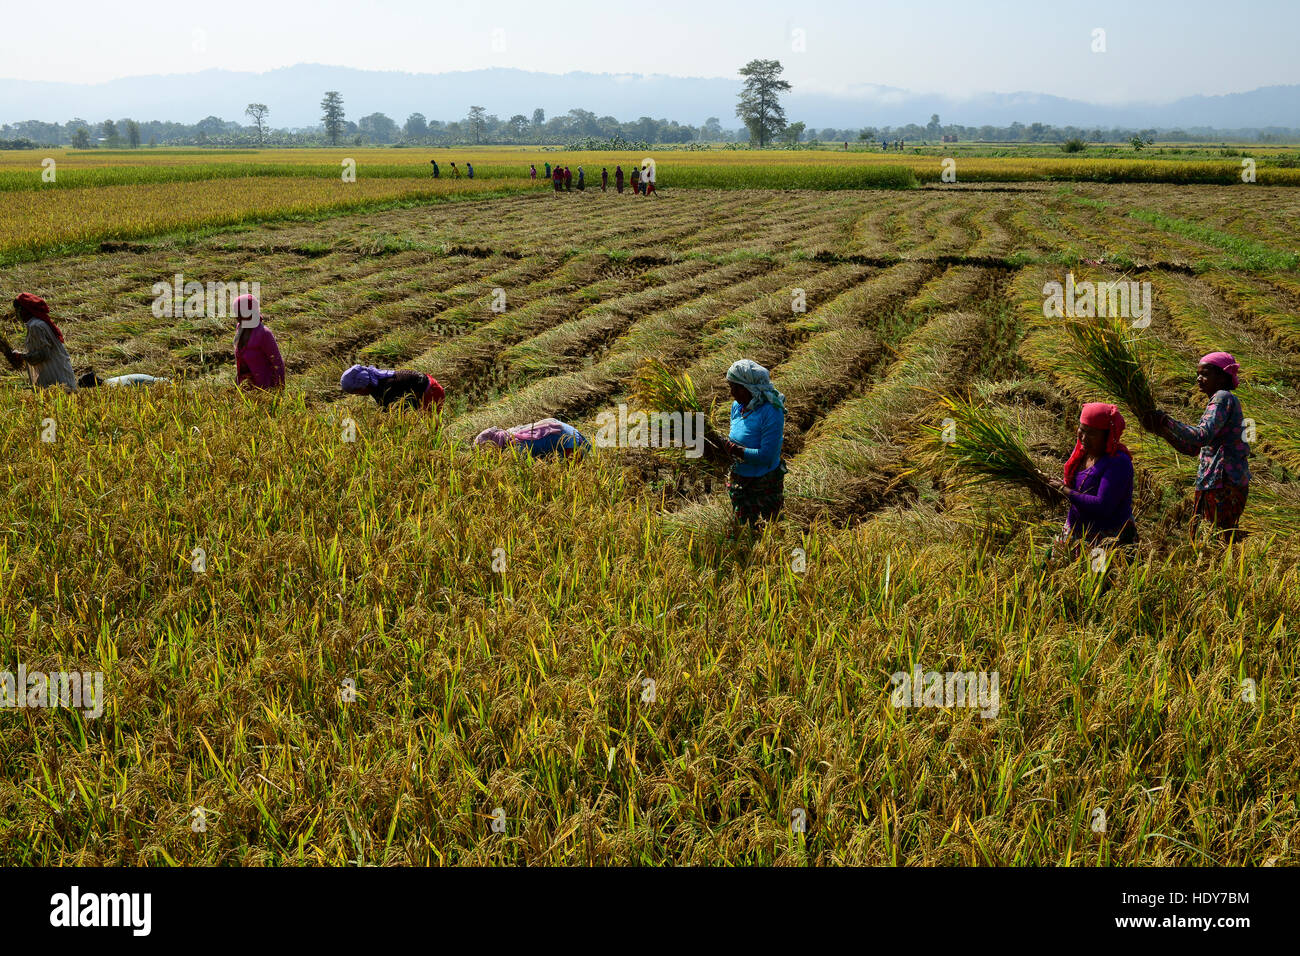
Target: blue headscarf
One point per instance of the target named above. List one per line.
(756, 380)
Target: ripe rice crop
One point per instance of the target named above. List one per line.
(498, 618)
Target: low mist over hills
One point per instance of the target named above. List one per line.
(294, 94)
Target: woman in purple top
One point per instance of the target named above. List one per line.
(1098, 479)
(1223, 472)
(258, 363)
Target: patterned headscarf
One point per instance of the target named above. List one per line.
(492, 436)
(758, 383)
(360, 379)
(1096, 415)
(1224, 361)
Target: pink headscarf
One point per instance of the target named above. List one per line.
(1224, 361)
(1096, 415)
(249, 313)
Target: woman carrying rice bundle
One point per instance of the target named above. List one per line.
(1098, 479)
(549, 436)
(1223, 473)
(756, 484)
(388, 387)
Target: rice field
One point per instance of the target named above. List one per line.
(63, 200)
(400, 652)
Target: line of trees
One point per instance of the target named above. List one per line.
(759, 108)
(477, 126)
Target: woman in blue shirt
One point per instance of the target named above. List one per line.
(756, 484)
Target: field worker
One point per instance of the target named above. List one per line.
(636, 180)
(469, 170)
(618, 179)
(257, 356)
(532, 172)
(558, 179)
(1098, 479)
(568, 180)
(756, 484)
(1223, 473)
(435, 168)
(582, 179)
(387, 387)
(550, 436)
(46, 357)
(455, 173)
(91, 380)
(548, 170)
(604, 179)
(648, 177)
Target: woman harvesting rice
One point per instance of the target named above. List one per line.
(1098, 480)
(1223, 473)
(756, 484)
(550, 436)
(46, 358)
(388, 387)
(257, 356)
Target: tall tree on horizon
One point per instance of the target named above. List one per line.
(760, 103)
(332, 115)
(257, 112)
(475, 118)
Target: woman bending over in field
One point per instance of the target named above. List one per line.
(257, 356)
(387, 387)
(46, 357)
(1223, 473)
(756, 484)
(92, 380)
(1098, 479)
(550, 436)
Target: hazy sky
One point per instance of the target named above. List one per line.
(1155, 49)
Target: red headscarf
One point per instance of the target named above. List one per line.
(34, 307)
(1096, 415)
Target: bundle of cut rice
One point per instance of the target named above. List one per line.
(656, 388)
(985, 447)
(1106, 352)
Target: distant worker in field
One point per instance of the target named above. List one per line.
(45, 356)
(258, 364)
(548, 170)
(455, 173)
(1098, 479)
(91, 380)
(604, 179)
(387, 387)
(648, 178)
(636, 181)
(435, 168)
(469, 170)
(1223, 472)
(532, 172)
(558, 179)
(568, 180)
(582, 180)
(618, 179)
(550, 436)
(756, 484)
